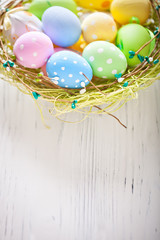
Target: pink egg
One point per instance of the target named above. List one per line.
(33, 49)
(43, 68)
(57, 49)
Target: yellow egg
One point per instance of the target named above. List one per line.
(80, 45)
(99, 26)
(124, 10)
(94, 4)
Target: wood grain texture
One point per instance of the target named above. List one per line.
(88, 181)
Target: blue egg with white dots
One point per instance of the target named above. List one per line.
(61, 25)
(69, 70)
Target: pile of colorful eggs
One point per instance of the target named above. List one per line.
(71, 48)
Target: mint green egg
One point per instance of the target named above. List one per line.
(38, 7)
(105, 59)
(132, 37)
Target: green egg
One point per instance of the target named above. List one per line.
(105, 59)
(38, 7)
(152, 44)
(132, 37)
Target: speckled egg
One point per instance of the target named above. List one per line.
(124, 10)
(62, 26)
(94, 4)
(66, 69)
(22, 22)
(38, 7)
(105, 59)
(33, 49)
(132, 37)
(99, 26)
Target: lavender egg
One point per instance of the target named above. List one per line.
(62, 26)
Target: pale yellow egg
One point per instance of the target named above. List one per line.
(94, 4)
(99, 26)
(124, 10)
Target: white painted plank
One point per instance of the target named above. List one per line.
(88, 181)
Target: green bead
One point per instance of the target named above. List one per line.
(156, 61)
(125, 84)
(73, 106)
(13, 57)
(141, 58)
(11, 64)
(36, 95)
(134, 20)
(147, 59)
(38, 80)
(118, 75)
(5, 64)
(39, 74)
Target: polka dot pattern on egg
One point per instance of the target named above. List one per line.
(105, 59)
(70, 72)
(33, 54)
(99, 26)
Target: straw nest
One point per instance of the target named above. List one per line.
(100, 92)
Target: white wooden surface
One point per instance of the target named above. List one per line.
(88, 181)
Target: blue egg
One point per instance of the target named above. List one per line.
(62, 26)
(66, 69)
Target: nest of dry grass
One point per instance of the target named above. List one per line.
(111, 94)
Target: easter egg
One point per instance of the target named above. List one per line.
(132, 37)
(66, 69)
(43, 69)
(124, 10)
(80, 45)
(38, 7)
(99, 26)
(152, 44)
(57, 49)
(22, 22)
(61, 25)
(33, 49)
(105, 59)
(94, 4)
